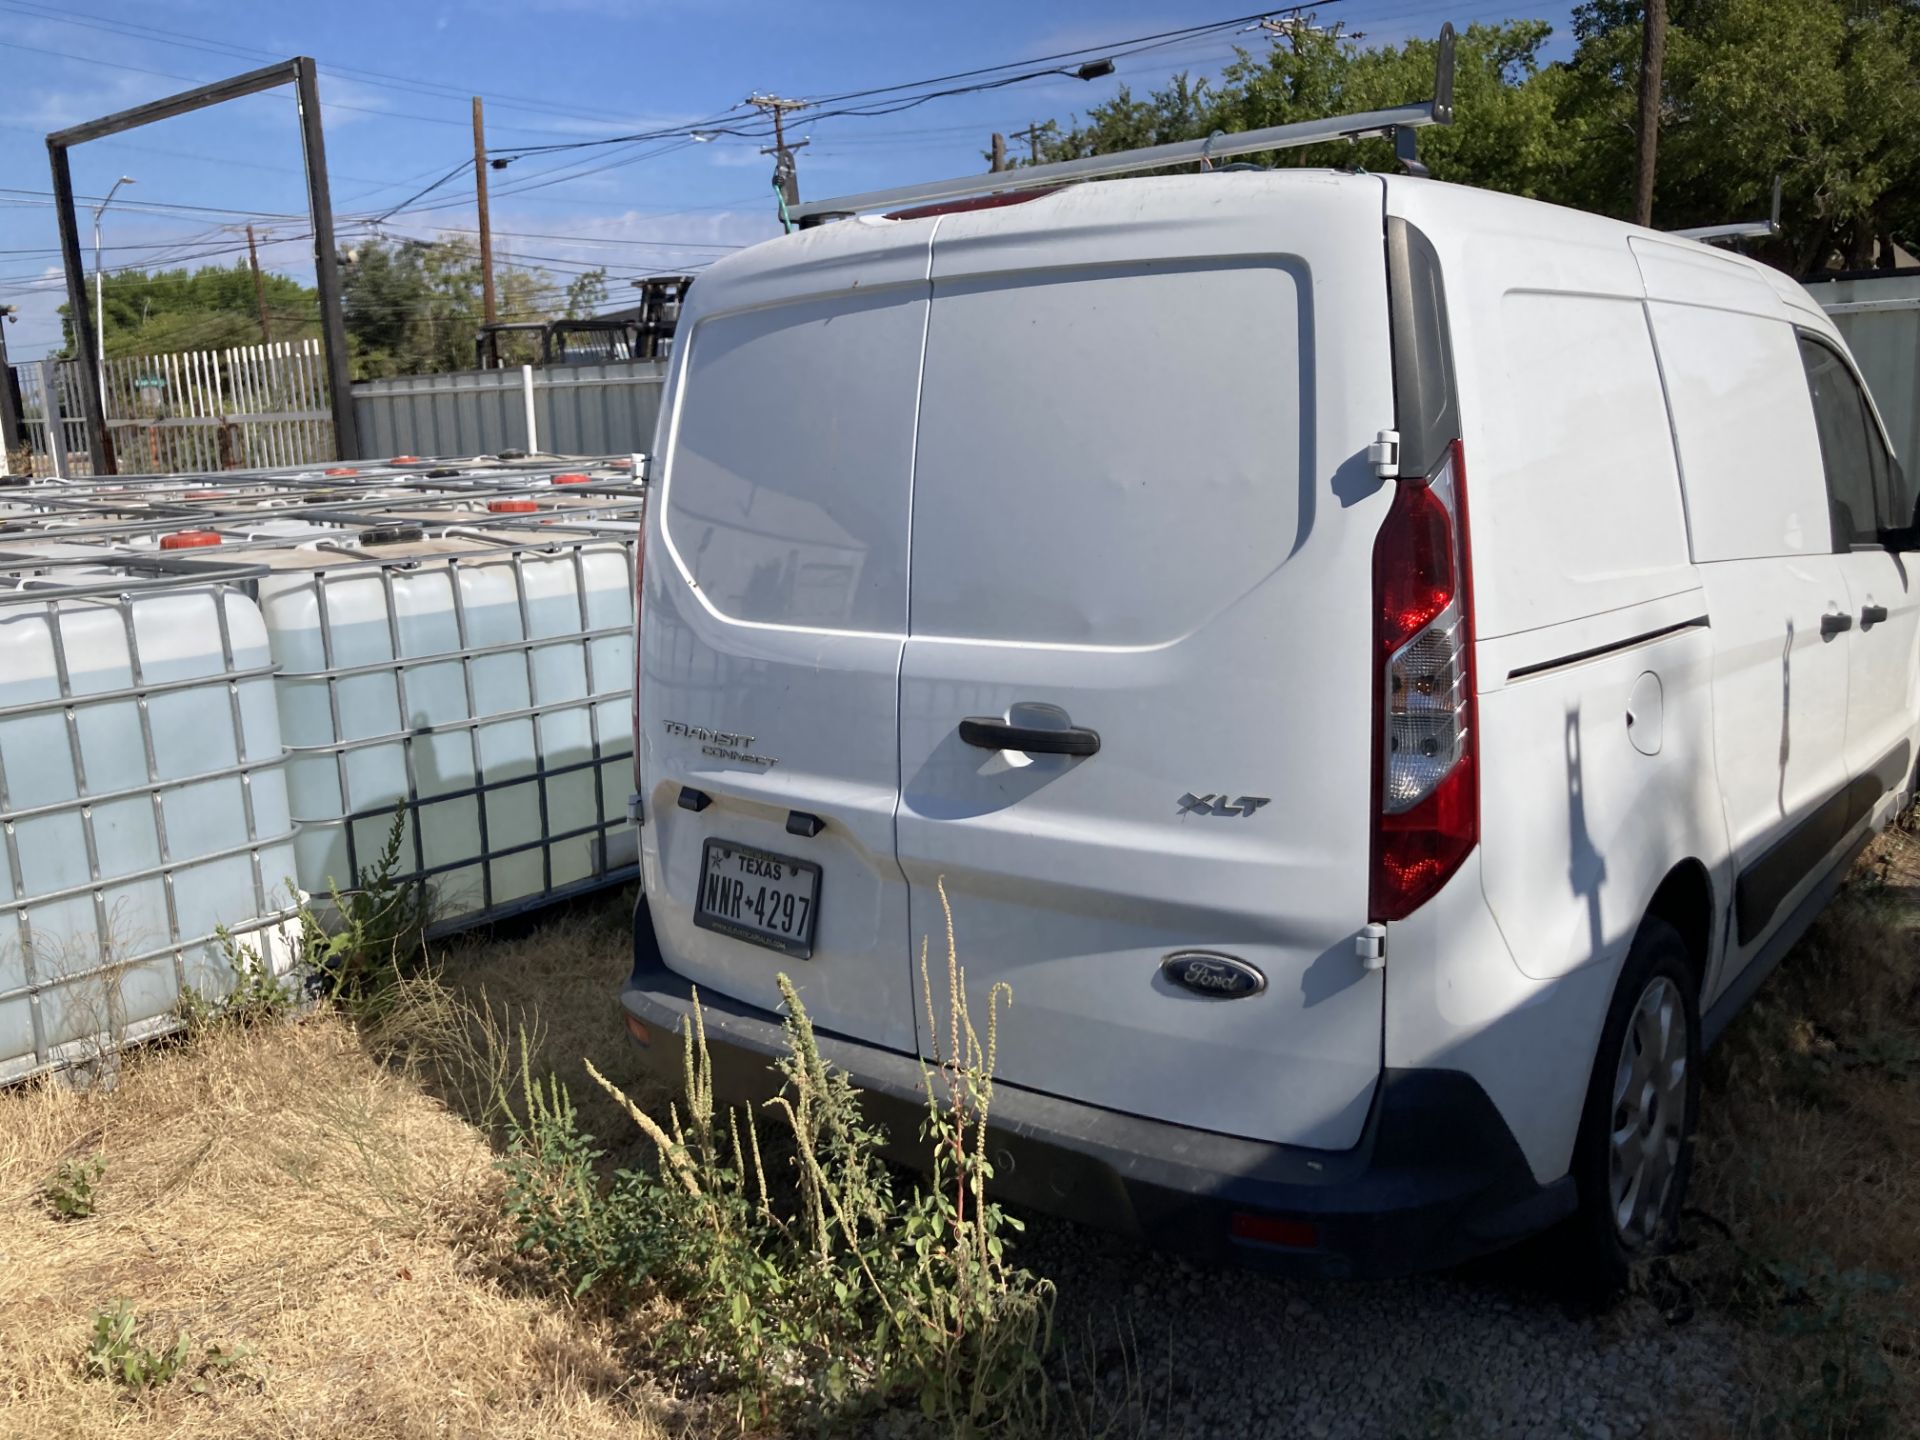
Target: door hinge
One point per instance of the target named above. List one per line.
(1371, 946)
(1384, 454)
(634, 815)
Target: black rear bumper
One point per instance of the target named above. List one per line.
(1436, 1178)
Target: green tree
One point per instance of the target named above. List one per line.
(587, 294)
(166, 312)
(413, 307)
(1824, 94)
(1507, 132)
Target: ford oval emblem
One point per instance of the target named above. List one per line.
(1218, 977)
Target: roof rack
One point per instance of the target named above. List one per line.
(1740, 229)
(1399, 123)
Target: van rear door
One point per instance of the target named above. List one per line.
(774, 611)
(1143, 518)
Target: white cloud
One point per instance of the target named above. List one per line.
(631, 244)
(729, 157)
(103, 93)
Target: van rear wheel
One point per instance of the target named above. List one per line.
(1635, 1148)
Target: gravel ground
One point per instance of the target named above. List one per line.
(1210, 1352)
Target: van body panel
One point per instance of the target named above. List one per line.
(1164, 536)
(1869, 504)
(1574, 500)
(1460, 1001)
(1685, 272)
(1742, 425)
(1593, 659)
(1599, 776)
(775, 609)
(1758, 516)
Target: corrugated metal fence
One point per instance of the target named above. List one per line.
(1880, 317)
(577, 409)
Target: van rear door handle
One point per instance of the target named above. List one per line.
(991, 734)
(1872, 615)
(1833, 624)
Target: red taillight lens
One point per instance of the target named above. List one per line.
(1426, 791)
(512, 507)
(572, 477)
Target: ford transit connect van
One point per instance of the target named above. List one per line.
(1382, 670)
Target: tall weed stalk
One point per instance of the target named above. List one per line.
(795, 1272)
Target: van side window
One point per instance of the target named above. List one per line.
(1868, 494)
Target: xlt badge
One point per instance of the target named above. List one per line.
(1192, 804)
(721, 744)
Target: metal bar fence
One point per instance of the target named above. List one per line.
(189, 413)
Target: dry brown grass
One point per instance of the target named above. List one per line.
(301, 1192)
(1808, 1167)
(563, 977)
(280, 1190)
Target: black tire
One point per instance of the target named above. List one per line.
(1604, 1251)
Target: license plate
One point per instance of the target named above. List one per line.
(756, 896)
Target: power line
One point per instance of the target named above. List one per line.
(762, 130)
(459, 168)
(201, 80)
(379, 79)
(45, 198)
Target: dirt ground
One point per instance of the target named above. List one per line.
(322, 1224)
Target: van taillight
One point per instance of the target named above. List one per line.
(1426, 797)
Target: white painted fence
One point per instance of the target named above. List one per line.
(203, 410)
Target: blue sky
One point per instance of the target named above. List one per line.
(394, 80)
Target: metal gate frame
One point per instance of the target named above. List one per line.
(300, 72)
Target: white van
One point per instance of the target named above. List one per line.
(1381, 668)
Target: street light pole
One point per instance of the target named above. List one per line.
(100, 293)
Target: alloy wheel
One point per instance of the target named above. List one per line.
(1649, 1112)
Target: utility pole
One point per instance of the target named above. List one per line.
(486, 220)
(1653, 55)
(999, 152)
(1032, 136)
(10, 442)
(786, 174)
(259, 288)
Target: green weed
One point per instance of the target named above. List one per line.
(1836, 1380)
(74, 1190)
(116, 1353)
(795, 1273)
(378, 925)
(254, 994)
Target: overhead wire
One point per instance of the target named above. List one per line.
(66, 15)
(759, 128)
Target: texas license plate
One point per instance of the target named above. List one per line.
(756, 896)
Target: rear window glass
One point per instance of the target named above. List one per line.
(789, 474)
(1108, 456)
